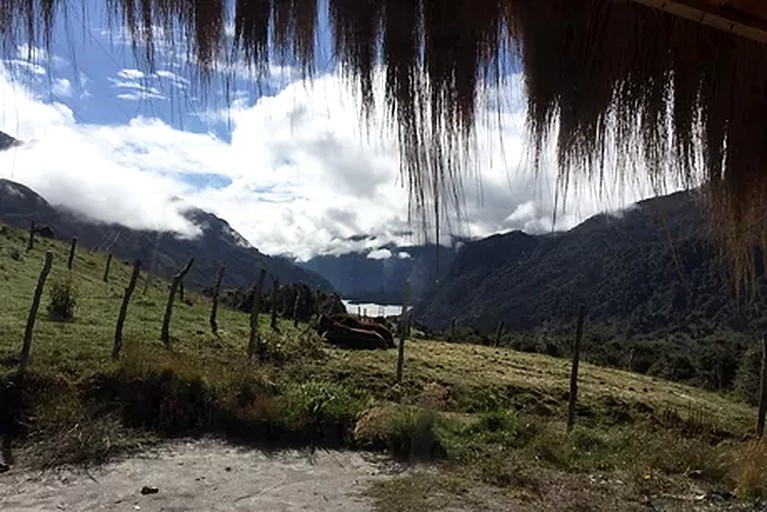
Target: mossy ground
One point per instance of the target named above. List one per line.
(492, 419)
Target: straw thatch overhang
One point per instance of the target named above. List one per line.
(746, 18)
(666, 89)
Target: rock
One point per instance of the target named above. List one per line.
(149, 490)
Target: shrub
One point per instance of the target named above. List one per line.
(404, 431)
(751, 470)
(322, 410)
(62, 300)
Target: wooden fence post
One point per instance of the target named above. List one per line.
(124, 310)
(574, 372)
(762, 390)
(24, 359)
(255, 340)
(109, 265)
(165, 335)
(498, 334)
(295, 305)
(452, 330)
(214, 304)
(72, 249)
(403, 326)
(275, 290)
(31, 241)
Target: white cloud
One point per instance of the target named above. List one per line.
(300, 175)
(62, 88)
(75, 166)
(380, 254)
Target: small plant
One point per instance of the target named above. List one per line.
(323, 409)
(63, 301)
(15, 254)
(408, 432)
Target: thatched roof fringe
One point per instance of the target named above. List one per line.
(614, 84)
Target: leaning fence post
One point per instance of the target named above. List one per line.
(275, 289)
(255, 341)
(106, 270)
(72, 249)
(24, 359)
(124, 310)
(214, 304)
(498, 334)
(165, 335)
(574, 372)
(762, 390)
(404, 321)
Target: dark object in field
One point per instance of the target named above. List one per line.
(377, 324)
(348, 332)
(4, 468)
(149, 490)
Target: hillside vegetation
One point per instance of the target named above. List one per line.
(492, 420)
(648, 271)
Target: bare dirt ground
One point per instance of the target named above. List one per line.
(208, 476)
(215, 476)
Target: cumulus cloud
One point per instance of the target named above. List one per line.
(300, 175)
(76, 167)
(380, 254)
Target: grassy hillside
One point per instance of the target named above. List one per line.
(493, 418)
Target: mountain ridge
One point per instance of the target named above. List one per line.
(647, 270)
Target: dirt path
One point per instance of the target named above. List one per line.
(208, 476)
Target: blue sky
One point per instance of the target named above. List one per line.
(286, 162)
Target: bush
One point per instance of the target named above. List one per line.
(62, 300)
(404, 431)
(323, 410)
(750, 469)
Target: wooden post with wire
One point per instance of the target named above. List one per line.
(72, 248)
(26, 348)
(499, 334)
(165, 334)
(108, 266)
(31, 240)
(573, 397)
(762, 390)
(403, 327)
(255, 342)
(214, 301)
(118, 342)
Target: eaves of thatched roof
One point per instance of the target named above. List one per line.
(670, 89)
(746, 18)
